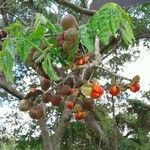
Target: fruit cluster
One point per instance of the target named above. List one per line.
(69, 38)
(115, 89)
(30, 103)
(78, 100)
(70, 35)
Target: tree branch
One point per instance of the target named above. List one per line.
(114, 74)
(76, 8)
(62, 125)
(47, 142)
(92, 123)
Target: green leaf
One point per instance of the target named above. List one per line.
(110, 19)
(6, 64)
(47, 67)
(40, 19)
(86, 89)
(8, 45)
(37, 34)
(86, 37)
(23, 48)
(14, 28)
(71, 52)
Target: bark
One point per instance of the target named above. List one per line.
(59, 133)
(44, 132)
(92, 123)
(96, 4)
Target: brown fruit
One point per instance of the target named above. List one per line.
(44, 83)
(25, 105)
(56, 100)
(46, 97)
(68, 21)
(71, 35)
(36, 112)
(65, 90)
(67, 45)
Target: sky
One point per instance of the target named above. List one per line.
(140, 67)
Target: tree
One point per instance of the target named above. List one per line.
(41, 47)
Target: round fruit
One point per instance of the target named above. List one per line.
(25, 105)
(78, 116)
(71, 35)
(95, 95)
(114, 90)
(67, 45)
(60, 40)
(81, 60)
(44, 83)
(65, 90)
(46, 97)
(36, 112)
(97, 89)
(135, 87)
(70, 105)
(68, 21)
(56, 100)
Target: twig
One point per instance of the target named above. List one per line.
(112, 50)
(113, 73)
(65, 79)
(76, 8)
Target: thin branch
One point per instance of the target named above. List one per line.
(76, 8)
(112, 50)
(64, 80)
(10, 89)
(114, 74)
(60, 131)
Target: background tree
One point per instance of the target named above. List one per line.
(104, 132)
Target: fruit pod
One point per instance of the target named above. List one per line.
(68, 21)
(46, 97)
(25, 105)
(56, 100)
(71, 35)
(67, 45)
(65, 90)
(36, 112)
(44, 83)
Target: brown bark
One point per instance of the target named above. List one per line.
(59, 133)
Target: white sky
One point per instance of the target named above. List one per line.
(141, 67)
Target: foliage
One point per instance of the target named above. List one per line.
(23, 38)
(108, 20)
